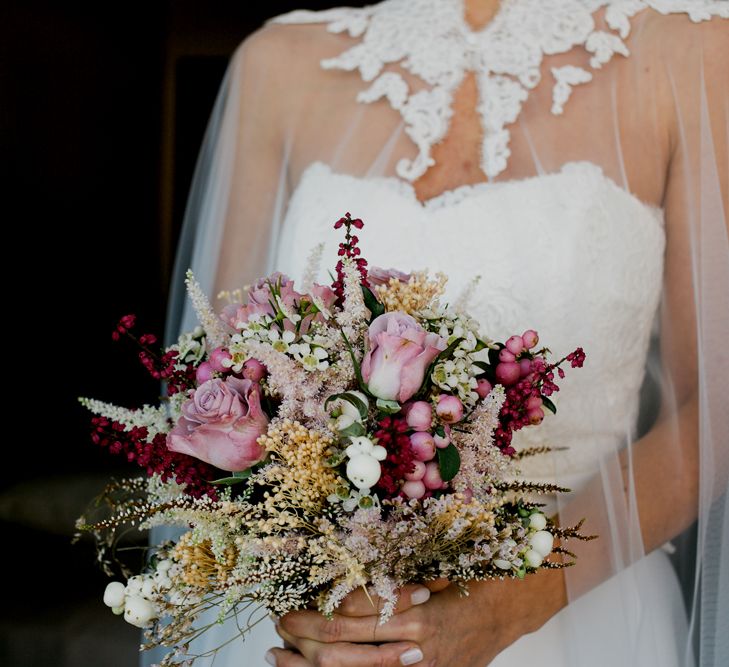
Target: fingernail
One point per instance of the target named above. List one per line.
(276, 620)
(411, 656)
(420, 595)
(270, 658)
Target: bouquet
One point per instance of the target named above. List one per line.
(311, 442)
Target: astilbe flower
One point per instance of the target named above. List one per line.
(349, 248)
(154, 457)
(392, 435)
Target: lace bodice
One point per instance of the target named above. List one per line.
(571, 254)
(432, 40)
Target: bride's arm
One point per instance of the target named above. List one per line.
(660, 472)
(246, 178)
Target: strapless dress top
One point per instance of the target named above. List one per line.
(570, 254)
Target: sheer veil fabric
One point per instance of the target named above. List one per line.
(630, 91)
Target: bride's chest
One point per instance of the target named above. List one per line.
(567, 252)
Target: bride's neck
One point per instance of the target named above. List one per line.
(480, 12)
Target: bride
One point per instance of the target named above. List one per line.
(574, 154)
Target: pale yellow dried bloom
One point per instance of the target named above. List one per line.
(299, 475)
(418, 293)
(199, 564)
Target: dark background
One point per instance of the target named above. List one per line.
(102, 110)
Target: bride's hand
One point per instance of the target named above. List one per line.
(447, 630)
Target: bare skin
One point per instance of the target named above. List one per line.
(457, 157)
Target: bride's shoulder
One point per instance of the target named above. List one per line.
(297, 37)
(686, 44)
(676, 23)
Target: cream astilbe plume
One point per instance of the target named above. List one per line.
(153, 418)
(214, 329)
(354, 314)
(288, 380)
(481, 461)
(313, 264)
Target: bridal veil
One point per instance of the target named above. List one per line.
(637, 88)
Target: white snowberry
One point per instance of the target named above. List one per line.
(114, 594)
(343, 422)
(347, 408)
(138, 611)
(538, 521)
(363, 471)
(542, 542)
(533, 558)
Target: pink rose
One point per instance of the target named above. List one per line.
(260, 297)
(221, 424)
(324, 294)
(326, 297)
(234, 313)
(378, 276)
(400, 351)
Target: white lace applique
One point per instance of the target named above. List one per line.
(432, 40)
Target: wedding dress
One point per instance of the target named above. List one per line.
(567, 233)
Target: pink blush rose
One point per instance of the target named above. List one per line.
(378, 276)
(400, 351)
(221, 425)
(215, 400)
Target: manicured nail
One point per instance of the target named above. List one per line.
(276, 620)
(411, 656)
(270, 658)
(420, 595)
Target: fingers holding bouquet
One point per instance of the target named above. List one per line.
(447, 629)
(317, 442)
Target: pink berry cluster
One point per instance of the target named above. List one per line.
(529, 381)
(349, 248)
(419, 435)
(154, 456)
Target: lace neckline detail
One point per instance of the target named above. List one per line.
(432, 40)
(580, 169)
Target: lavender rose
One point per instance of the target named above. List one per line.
(378, 276)
(400, 351)
(221, 423)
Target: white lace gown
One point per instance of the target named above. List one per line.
(590, 274)
(596, 257)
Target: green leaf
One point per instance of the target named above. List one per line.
(549, 405)
(335, 459)
(355, 400)
(235, 478)
(353, 430)
(388, 407)
(355, 363)
(440, 430)
(449, 462)
(373, 305)
(494, 354)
